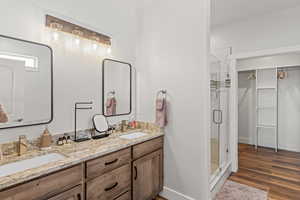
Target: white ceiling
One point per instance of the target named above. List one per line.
(228, 11)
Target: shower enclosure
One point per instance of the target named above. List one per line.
(219, 92)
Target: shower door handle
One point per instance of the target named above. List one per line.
(220, 118)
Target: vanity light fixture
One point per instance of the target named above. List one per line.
(79, 32)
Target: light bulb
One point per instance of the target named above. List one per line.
(95, 46)
(77, 41)
(55, 36)
(109, 50)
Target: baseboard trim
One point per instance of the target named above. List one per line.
(168, 193)
(244, 140)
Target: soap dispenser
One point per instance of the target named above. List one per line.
(46, 139)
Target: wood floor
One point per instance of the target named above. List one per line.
(160, 198)
(278, 173)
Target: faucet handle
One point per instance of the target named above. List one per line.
(1, 153)
(23, 139)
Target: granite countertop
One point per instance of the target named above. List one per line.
(74, 153)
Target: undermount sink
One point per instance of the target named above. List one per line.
(132, 136)
(22, 165)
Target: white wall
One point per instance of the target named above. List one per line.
(247, 106)
(275, 30)
(289, 111)
(172, 54)
(77, 70)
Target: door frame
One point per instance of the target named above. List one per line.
(234, 91)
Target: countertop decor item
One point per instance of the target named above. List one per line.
(46, 139)
(3, 115)
(23, 145)
(101, 127)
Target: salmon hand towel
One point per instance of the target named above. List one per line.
(161, 112)
(111, 106)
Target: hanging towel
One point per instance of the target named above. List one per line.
(161, 112)
(111, 106)
(3, 115)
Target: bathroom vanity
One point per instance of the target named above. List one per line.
(109, 169)
(126, 165)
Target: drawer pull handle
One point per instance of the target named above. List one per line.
(112, 162)
(112, 187)
(79, 196)
(136, 173)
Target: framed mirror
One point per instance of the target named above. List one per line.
(26, 83)
(116, 88)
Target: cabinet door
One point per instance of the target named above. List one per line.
(73, 194)
(148, 176)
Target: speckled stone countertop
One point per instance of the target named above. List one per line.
(74, 153)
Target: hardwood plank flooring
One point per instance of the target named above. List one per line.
(160, 198)
(278, 173)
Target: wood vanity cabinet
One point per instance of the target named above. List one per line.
(147, 175)
(133, 173)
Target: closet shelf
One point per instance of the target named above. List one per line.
(266, 126)
(266, 88)
(266, 107)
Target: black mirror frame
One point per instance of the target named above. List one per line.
(51, 65)
(103, 88)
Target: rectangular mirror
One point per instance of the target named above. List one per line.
(25, 83)
(117, 88)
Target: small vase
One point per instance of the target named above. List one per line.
(3, 115)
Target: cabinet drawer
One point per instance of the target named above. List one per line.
(110, 185)
(147, 147)
(125, 196)
(72, 194)
(99, 166)
(45, 187)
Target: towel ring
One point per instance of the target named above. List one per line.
(112, 93)
(163, 93)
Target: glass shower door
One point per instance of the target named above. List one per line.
(219, 94)
(215, 116)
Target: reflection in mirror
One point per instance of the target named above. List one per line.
(116, 88)
(25, 83)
